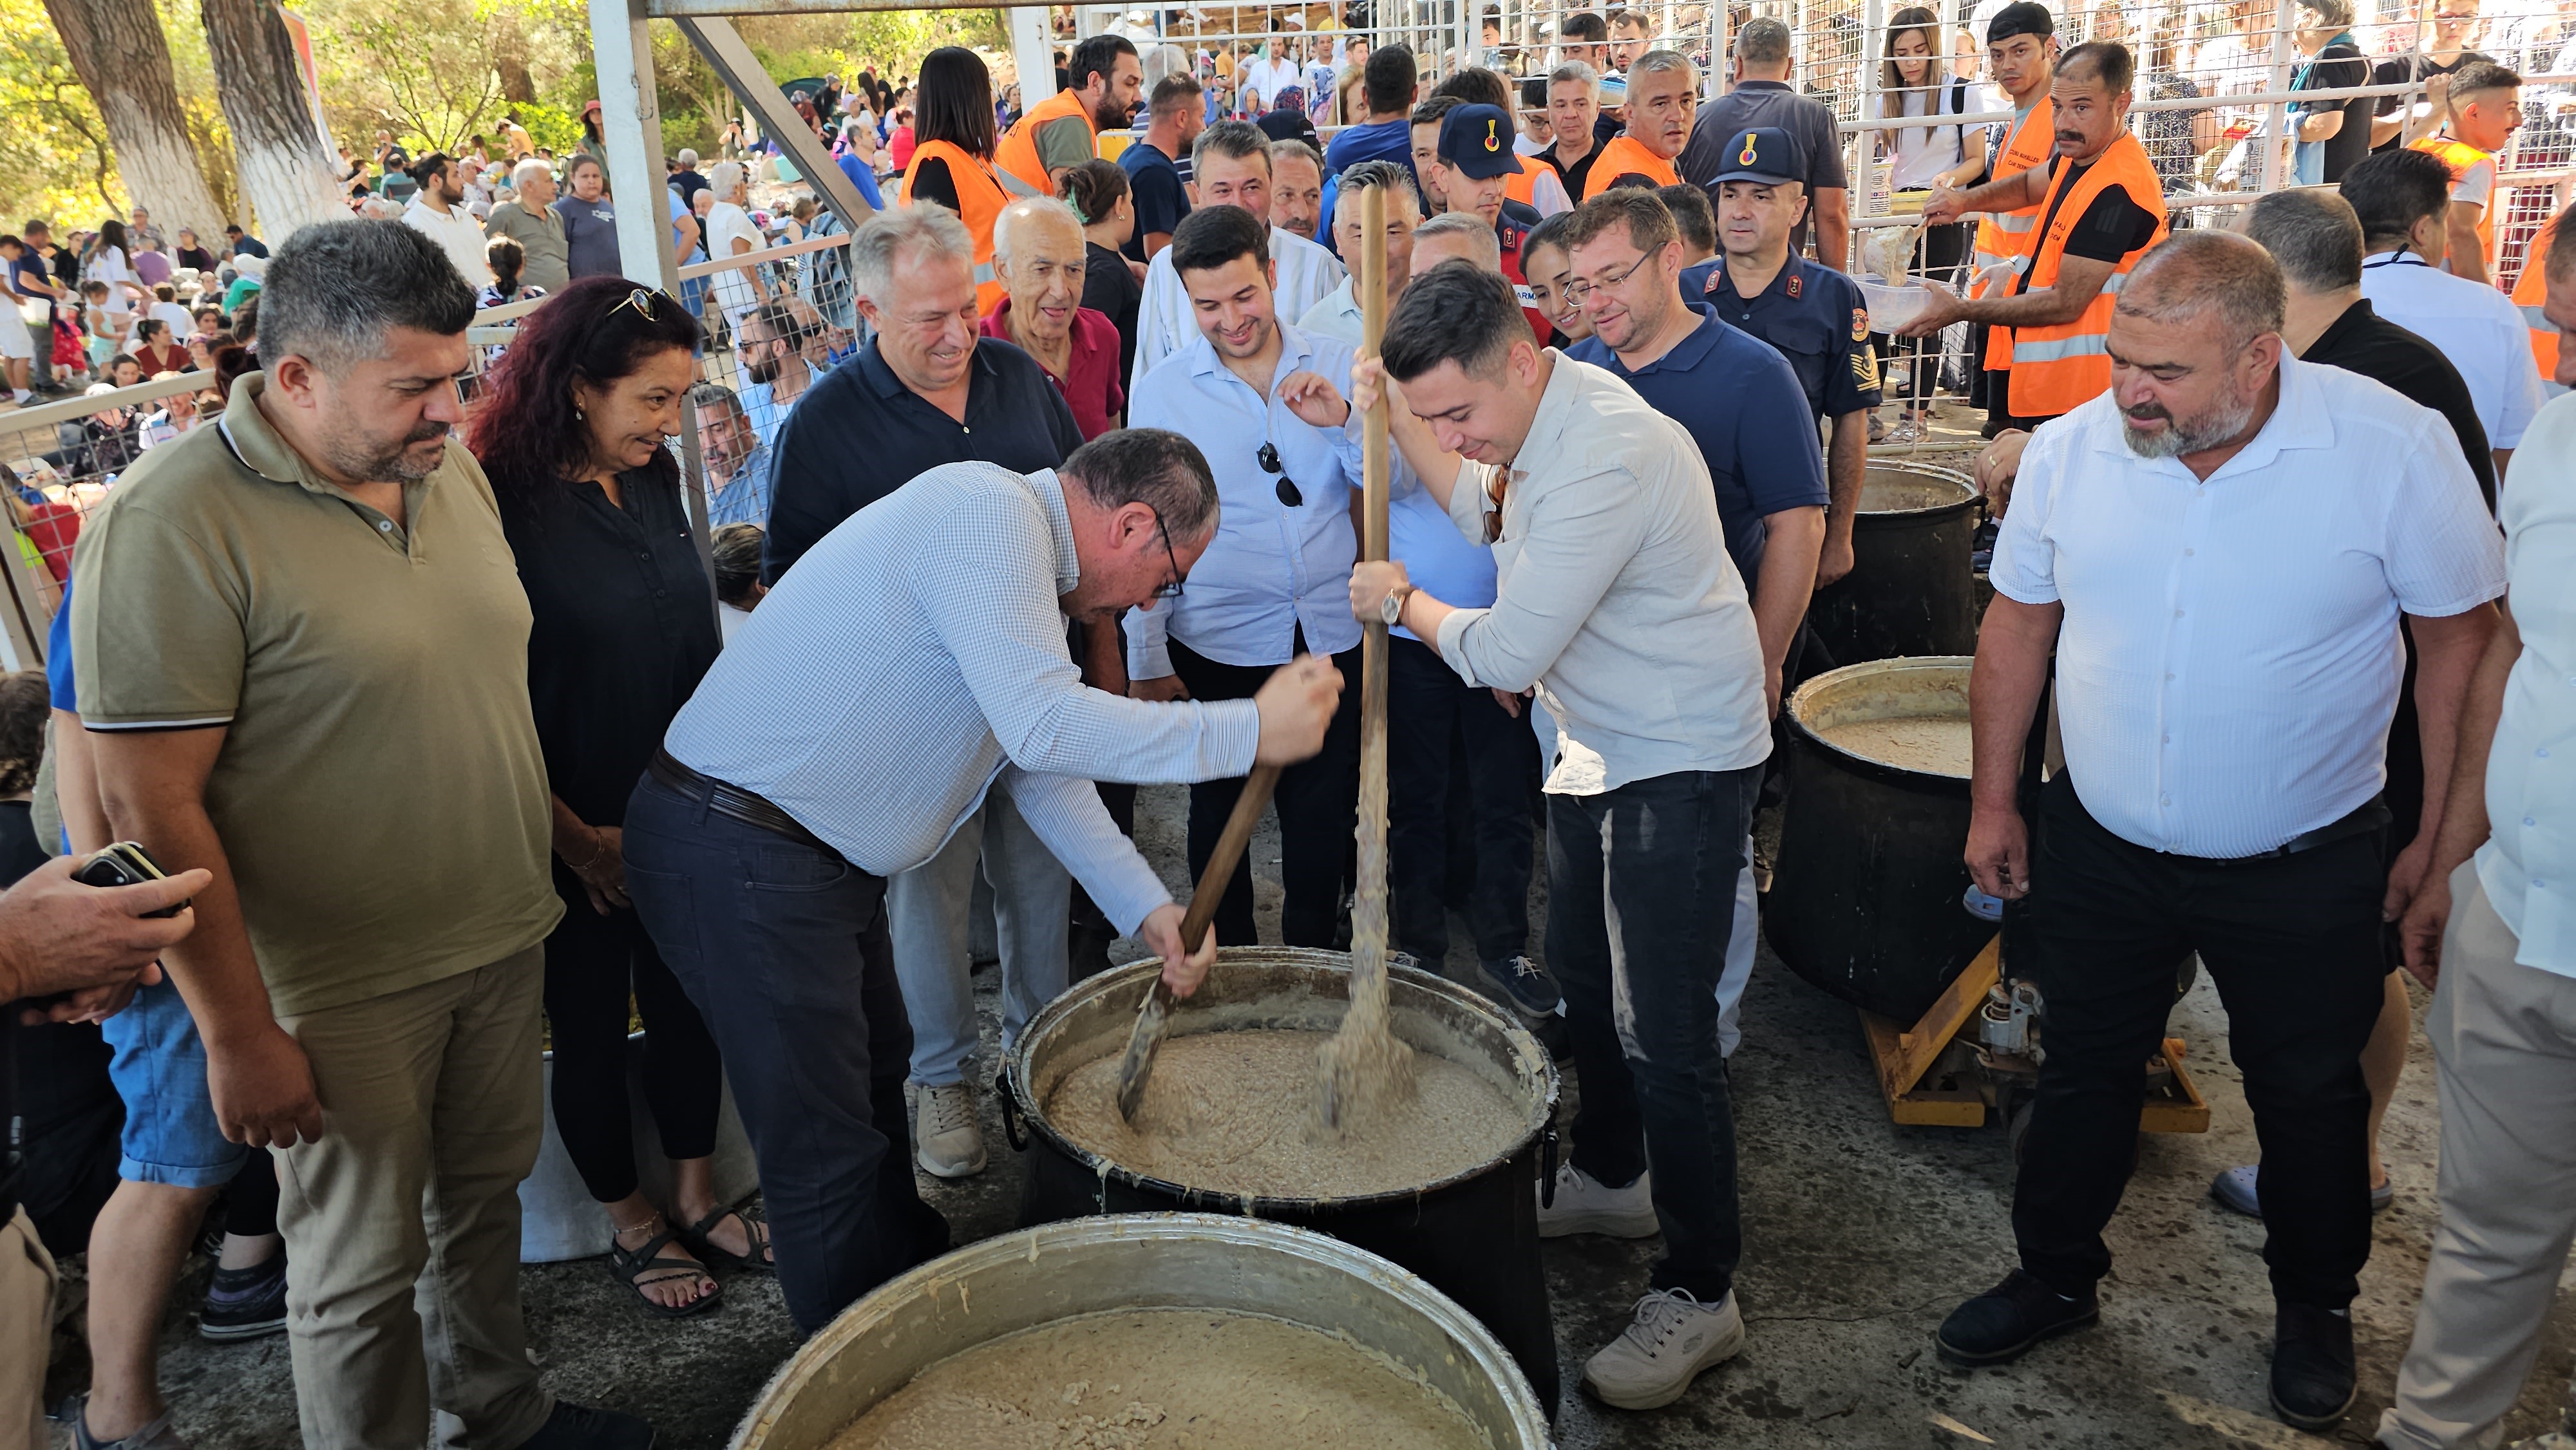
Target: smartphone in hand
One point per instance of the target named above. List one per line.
(125, 864)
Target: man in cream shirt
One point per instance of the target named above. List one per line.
(1608, 550)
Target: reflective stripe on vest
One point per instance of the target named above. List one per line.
(1015, 160)
(2002, 236)
(980, 198)
(2057, 369)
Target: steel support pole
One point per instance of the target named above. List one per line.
(631, 123)
(1033, 48)
(2277, 133)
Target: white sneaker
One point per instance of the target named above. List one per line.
(1672, 1339)
(1585, 1206)
(950, 1145)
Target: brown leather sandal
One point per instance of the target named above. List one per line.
(639, 1268)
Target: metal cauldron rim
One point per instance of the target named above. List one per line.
(1132, 980)
(1800, 698)
(1469, 1334)
(1934, 514)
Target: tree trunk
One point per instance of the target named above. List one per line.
(117, 48)
(288, 176)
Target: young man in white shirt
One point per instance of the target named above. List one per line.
(1231, 162)
(1607, 546)
(2222, 596)
(2403, 200)
(1271, 583)
(438, 212)
(2497, 954)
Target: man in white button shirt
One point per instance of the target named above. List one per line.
(1271, 584)
(2402, 198)
(438, 211)
(2494, 939)
(2219, 549)
(1607, 550)
(1231, 164)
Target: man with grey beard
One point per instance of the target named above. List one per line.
(2223, 593)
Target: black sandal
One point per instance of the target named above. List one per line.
(755, 1232)
(637, 1268)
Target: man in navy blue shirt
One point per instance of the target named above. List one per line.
(1813, 315)
(1741, 402)
(1155, 185)
(1387, 89)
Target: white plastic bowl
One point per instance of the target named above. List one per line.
(1892, 307)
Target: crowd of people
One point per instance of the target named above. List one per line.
(1044, 486)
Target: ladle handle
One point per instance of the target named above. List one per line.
(1229, 849)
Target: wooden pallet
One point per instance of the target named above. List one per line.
(1904, 1056)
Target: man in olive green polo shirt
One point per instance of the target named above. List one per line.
(531, 221)
(301, 650)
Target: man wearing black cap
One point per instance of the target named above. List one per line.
(1813, 315)
(1470, 172)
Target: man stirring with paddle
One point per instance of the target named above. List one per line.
(1608, 551)
(912, 660)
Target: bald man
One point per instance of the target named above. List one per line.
(2251, 631)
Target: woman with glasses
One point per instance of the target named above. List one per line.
(572, 433)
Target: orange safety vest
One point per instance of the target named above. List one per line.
(980, 200)
(1522, 186)
(2460, 156)
(1623, 156)
(1015, 161)
(2057, 369)
(2004, 237)
(2530, 291)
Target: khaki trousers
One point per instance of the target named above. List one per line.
(402, 1224)
(2504, 1039)
(26, 1334)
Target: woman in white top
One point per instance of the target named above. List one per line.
(1913, 83)
(731, 233)
(110, 261)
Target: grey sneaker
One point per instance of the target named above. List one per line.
(2234, 1191)
(951, 1145)
(156, 1436)
(1583, 1204)
(1663, 1349)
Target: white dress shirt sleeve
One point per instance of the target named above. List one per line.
(2445, 553)
(1006, 633)
(1067, 815)
(1577, 540)
(2025, 567)
(1162, 320)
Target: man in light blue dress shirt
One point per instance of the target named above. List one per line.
(1251, 393)
(913, 661)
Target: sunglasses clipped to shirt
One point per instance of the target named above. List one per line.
(1268, 458)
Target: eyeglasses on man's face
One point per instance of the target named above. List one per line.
(1169, 588)
(1576, 291)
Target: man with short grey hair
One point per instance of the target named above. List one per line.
(910, 669)
(259, 606)
(1762, 96)
(1457, 236)
(529, 218)
(1338, 314)
(2222, 597)
(1573, 105)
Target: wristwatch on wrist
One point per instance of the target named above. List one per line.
(1392, 609)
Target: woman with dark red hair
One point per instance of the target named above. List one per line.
(572, 434)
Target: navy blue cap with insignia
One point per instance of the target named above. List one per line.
(1478, 141)
(1765, 154)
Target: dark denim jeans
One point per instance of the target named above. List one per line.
(2293, 946)
(1430, 713)
(1641, 900)
(783, 948)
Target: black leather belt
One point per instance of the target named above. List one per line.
(2371, 816)
(732, 800)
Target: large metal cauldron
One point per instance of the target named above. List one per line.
(1865, 898)
(1164, 1260)
(1911, 590)
(1473, 1235)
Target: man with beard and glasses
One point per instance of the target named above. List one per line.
(302, 657)
(2223, 594)
(771, 344)
(1105, 82)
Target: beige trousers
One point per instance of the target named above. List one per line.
(402, 1224)
(26, 1334)
(2504, 1040)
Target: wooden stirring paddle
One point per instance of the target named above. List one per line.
(1146, 1037)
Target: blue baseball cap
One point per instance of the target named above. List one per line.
(1478, 141)
(1765, 154)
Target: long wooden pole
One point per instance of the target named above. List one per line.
(1369, 905)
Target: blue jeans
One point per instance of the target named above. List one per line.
(783, 948)
(159, 1069)
(1641, 902)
